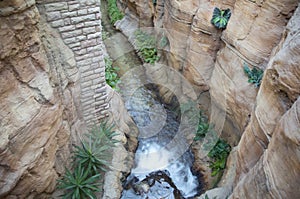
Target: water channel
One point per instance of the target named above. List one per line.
(158, 172)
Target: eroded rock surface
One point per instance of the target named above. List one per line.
(123, 153)
(39, 109)
(260, 34)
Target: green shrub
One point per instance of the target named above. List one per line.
(146, 45)
(90, 158)
(219, 154)
(220, 18)
(203, 127)
(254, 76)
(111, 75)
(113, 11)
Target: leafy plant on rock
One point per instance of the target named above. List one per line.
(254, 76)
(203, 127)
(111, 75)
(219, 154)
(146, 46)
(113, 11)
(220, 18)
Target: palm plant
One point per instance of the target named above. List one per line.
(103, 134)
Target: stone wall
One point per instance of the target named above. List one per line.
(79, 25)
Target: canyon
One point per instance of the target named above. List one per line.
(52, 90)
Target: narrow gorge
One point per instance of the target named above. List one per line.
(179, 98)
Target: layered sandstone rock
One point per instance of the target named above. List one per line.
(143, 9)
(39, 107)
(213, 60)
(270, 141)
(251, 44)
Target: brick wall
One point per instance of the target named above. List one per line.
(79, 24)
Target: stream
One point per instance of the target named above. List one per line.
(157, 172)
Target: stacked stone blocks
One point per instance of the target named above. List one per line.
(78, 22)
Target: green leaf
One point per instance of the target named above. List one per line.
(220, 18)
(254, 76)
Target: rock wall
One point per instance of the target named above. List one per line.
(52, 87)
(260, 34)
(269, 145)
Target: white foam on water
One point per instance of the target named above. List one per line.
(183, 178)
(152, 157)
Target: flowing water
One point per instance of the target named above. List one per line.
(157, 173)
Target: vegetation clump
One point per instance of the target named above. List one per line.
(220, 18)
(89, 159)
(203, 127)
(146, 45)
(254, 76)
(219, 154)
(111, 75)
(113, 11)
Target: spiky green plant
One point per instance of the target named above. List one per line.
(79, 184)
(90, 158)
(103, 134)
(254, 76)
(220, 18)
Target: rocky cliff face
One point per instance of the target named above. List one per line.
(39, 110)
(263, 122)
(52, 90)
(269, 146)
